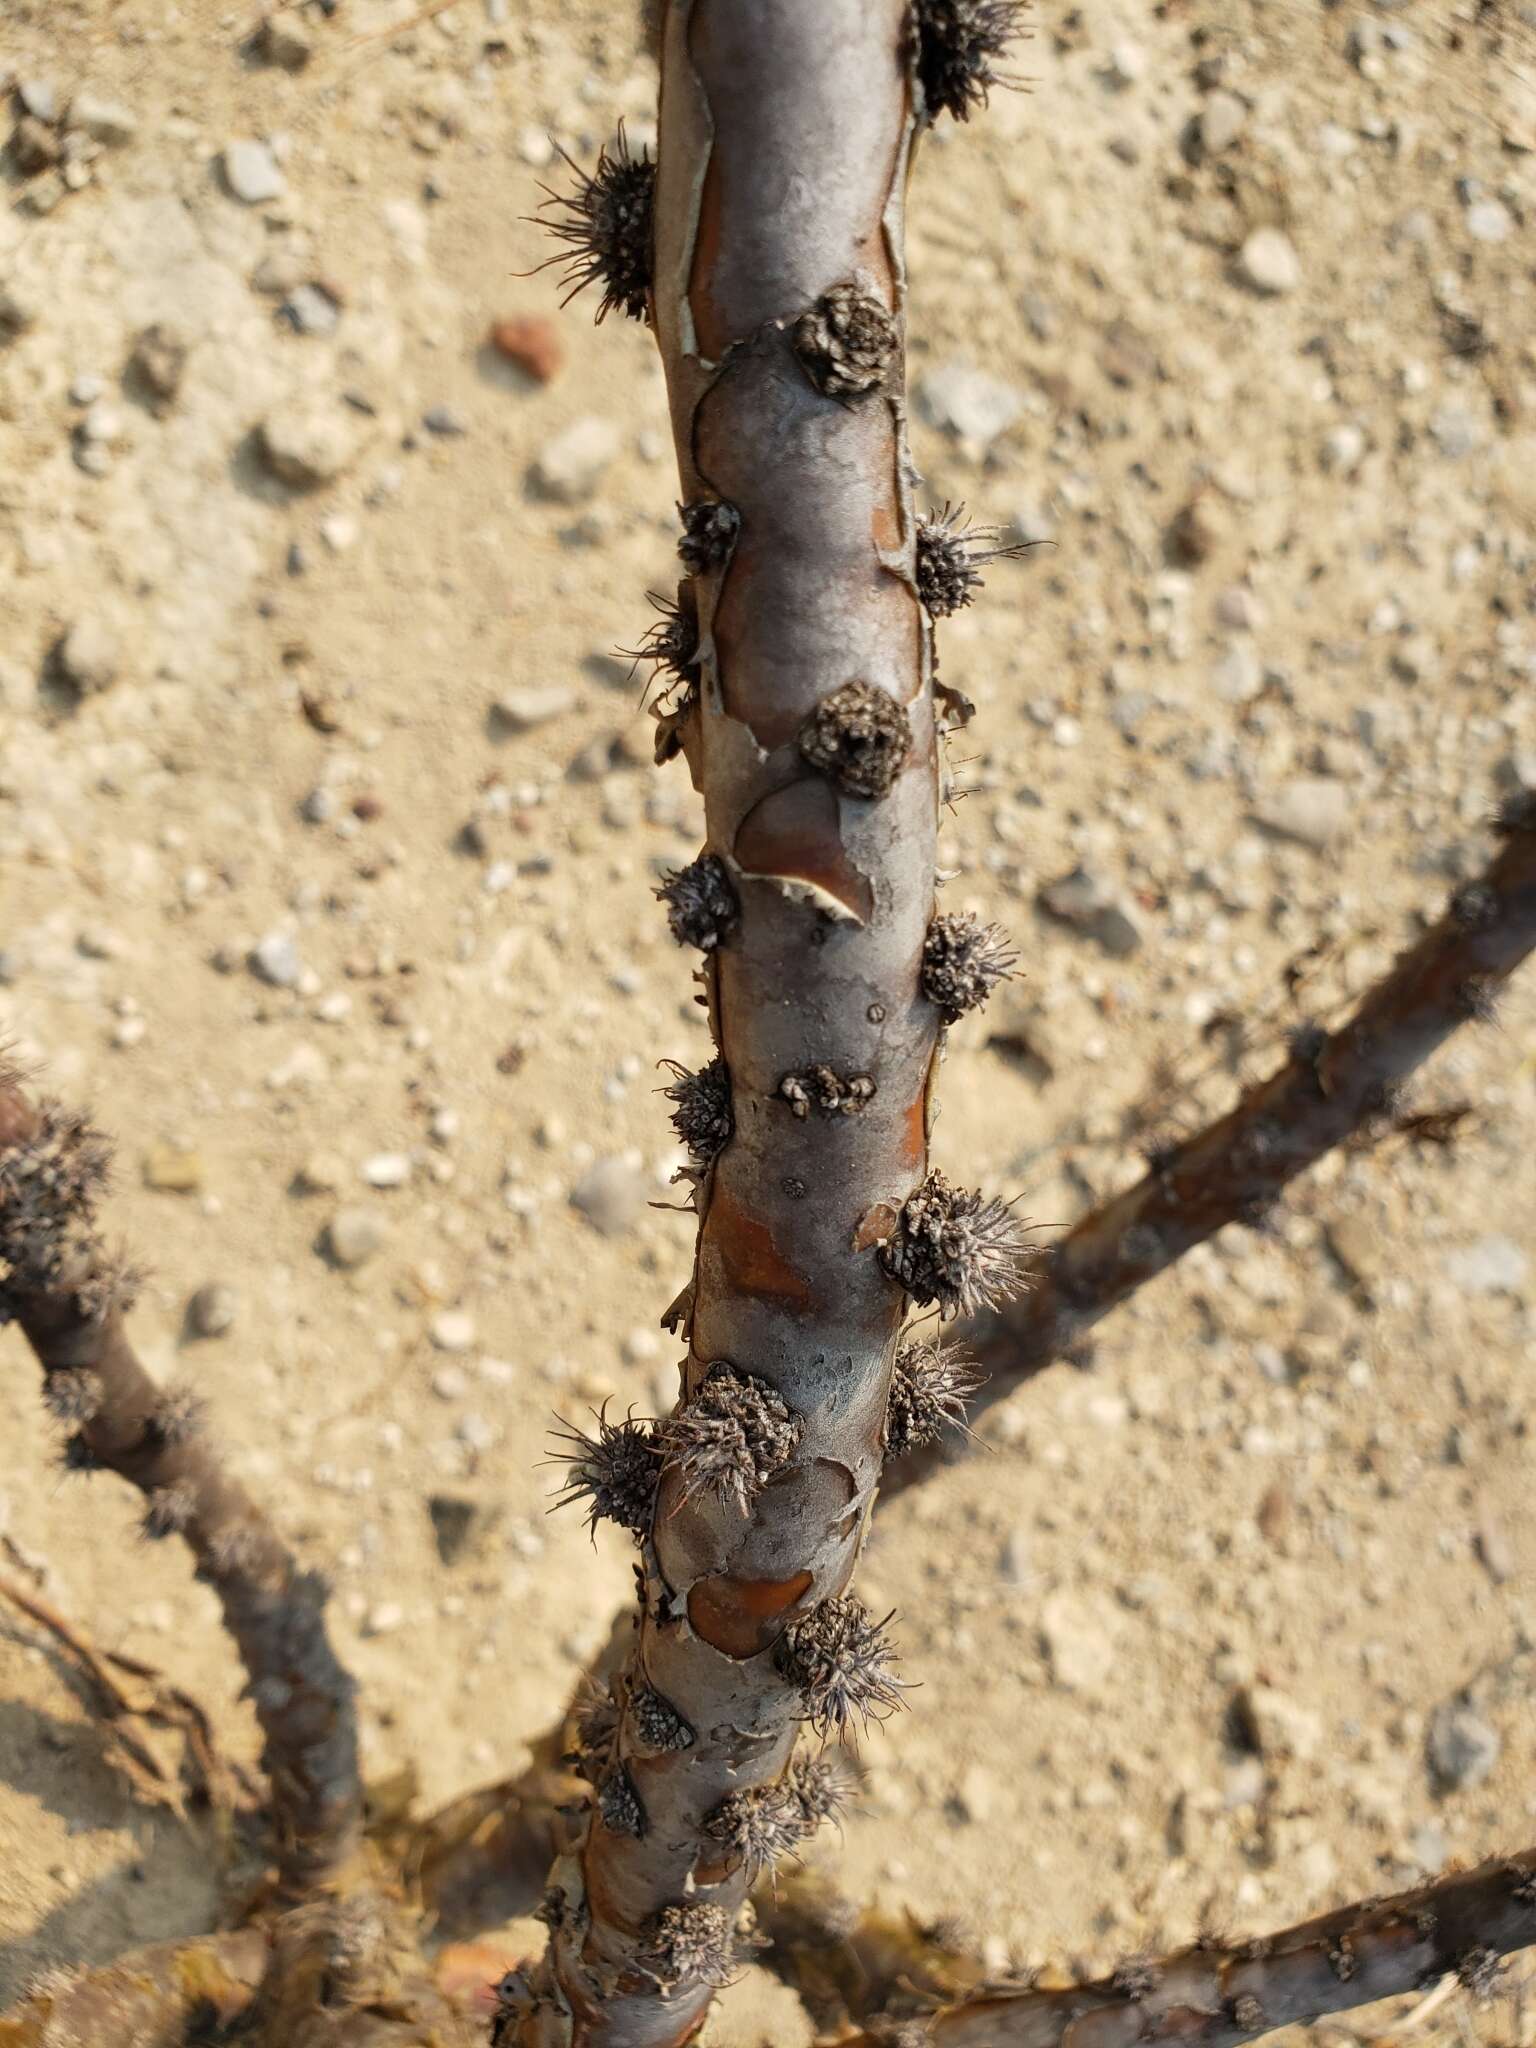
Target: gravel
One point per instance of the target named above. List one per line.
(353, 1236)
(961, 400)
(1313, 810)
(1268, 263)
(1463, 1747)
(568, 469)
(212, 1309)
(522, 710)
(1083, 903)
(307, 446)
(611, 1195)
(276, 960)
(89, 657)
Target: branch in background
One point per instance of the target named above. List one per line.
(807, 720)
(68, 1299)
(1232, 1172)
(145, 1999)
(1219, 1994)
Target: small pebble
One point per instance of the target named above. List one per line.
(446, 421)
(1268, 263)
(1314, 810)
(386, 1170)
(521, 710)
(310, 309)
(610, 1194)
(353, 1236)
(252, 173)
(533, 344)
(105, 121)
(284, 40)
(275, 960)
(212, 1310)
(452, 1330)
(88, 657)
(1463, 1747)
(569, 468)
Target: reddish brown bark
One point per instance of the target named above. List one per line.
(59, 1287)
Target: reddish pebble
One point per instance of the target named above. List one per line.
(532, 343)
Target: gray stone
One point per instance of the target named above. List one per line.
(1239, 675)
(1222, 120)
(281, 270)
(569, 468)
(1463, 1747)
(353, 1236)
(275, 960)
(39, 97)
(522, 710)
(308, 446)
(252, 173)
(89, 657)
(1279, 1725)
(310, 309)
(1268, 263)
(1490, 220)
(284, 40)
(1077, 1641)
(458, 1524)
(1343, 449)
(105, 121)
(1081, 901)
(967, 402)
(212, 1310)
(1489, 1265)
(610, 1194)
(446, 421)
(1311, 809)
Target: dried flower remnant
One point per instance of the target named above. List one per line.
(841, 1661)
(730, 1437)
(963, 961)
(709, 533)
(819, 1088)
(847, 342)
(49, 1187)
(930, 1386)
(597, 1727)
(685, 1943)
(821, 1786)
(758, 1826)
(614, 1470)
(953, 1247)
(73, 1395)
(170, 1511)
(179, 1414)
(701, 904)
(950, 557)
(859, 736)
(606, 226)
(958, 45)
(701, 1114)
(672, 643)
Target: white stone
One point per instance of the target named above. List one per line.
(251, 172)
(1268, 262)
(569, 468)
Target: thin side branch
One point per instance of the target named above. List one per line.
(1219, 1994)
(1332, 1085)
(67, 1298)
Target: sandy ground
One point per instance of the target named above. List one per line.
(1263, 687)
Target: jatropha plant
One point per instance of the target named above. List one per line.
(847, 1301)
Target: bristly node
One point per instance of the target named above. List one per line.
(606, 226)
(958, 44)
(49, 1188)
(701, 905)
(73, 1395)
(1481, 1971)
(1517, 813)
(170, 1511)
(840, 1660)
(956, 1248)
(951, 555)
(819, 1088)
(930, 1386)
(596, 1727)
(1475, 907)
(821, 1786)
(615, 1470)
(672, 643)
(179, 1414)
(846, 342)
(656, 1723)
(710, 527)
(730, 1438)
(758, 1826)
(701, 1114)
(963, 961)
(1477, 998)
(859, 736)
(1246, 2012)
(695, 1942)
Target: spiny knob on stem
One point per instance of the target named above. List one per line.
(701, 1115)
(695, 1941)
(840, 1660)
(958, 44)
(730, 1437)
(963, 961)
(930, 1385)
(950, 557)
(846, 342)
(615, 1470)
(606, 225)
(701, 905)
(709, 533)
(859, 736)
(953, 1247)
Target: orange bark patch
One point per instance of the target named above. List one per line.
(875, 1226)
(753, 1262)
(792, 836)
(740, 1617)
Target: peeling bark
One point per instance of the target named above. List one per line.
(778, 301)
(68, 1299)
